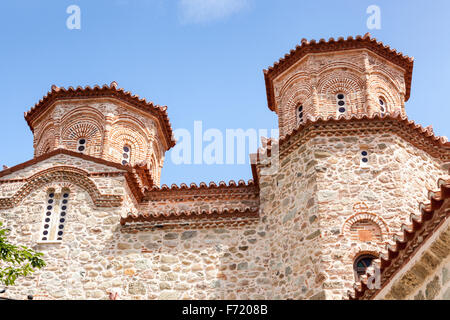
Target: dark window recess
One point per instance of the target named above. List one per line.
(362, 263)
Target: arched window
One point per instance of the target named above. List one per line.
(300, 112)
(81, 146)
(54, 219)
(362, 263)
(126, 154)
(383, 106)
(341, 104)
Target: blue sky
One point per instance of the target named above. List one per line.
(201, 58)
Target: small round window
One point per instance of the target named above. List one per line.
(126, 154)
(364, 157)
(341, 104)
(81, 147)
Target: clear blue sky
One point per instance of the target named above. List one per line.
(203, 59)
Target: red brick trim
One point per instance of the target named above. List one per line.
(62, 173)
(201, 217)
(66, 152)
(365, 216)
(110, 91)
(400, 125)
(340, 44)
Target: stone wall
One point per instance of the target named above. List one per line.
(289, 203)
(391, 185)
(321, 189)
(300, 246)
(98, 256)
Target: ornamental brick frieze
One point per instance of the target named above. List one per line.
(64, 174)
(213, 191)
(422, 138)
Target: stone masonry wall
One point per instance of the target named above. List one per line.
(391, 185)
(321, 189)
(289, 201)
(96, 255)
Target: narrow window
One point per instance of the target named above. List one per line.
(54, 221)
(81, 147)
(49, 213)
(364, 154)
(341, 104)
(382, 103)
(300, 113)
(62, 215)
(126, 155)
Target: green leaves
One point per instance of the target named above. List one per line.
(18, 261)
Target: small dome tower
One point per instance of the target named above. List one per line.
(357, 76)
(103, 122)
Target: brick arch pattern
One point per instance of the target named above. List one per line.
(62, 174)
(381, 85)
(340, 66)
(366, 230)
(335, 81)
(365, 216)
(127, 133)
(83, 122)
(46, 140)
(298, 91)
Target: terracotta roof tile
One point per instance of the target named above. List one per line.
(431, 216)
(423, 138)
(215, 213)
(227, 200)
(56, 93)
(307, 47)
(138, 178)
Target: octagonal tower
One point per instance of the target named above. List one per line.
(356, 76)
(349, 167)
(103, 122)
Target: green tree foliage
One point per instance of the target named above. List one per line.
(16, 261)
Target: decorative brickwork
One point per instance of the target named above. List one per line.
(351, 168)
(315, 73)
(108, 119)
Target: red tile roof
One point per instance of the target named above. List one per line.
(432, 215)
(233, 200)
(138, 178)
(56, 93)
(341, 44)
(417, 135)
